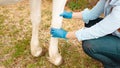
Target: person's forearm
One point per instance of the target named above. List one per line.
(71, 35)
(77, 15)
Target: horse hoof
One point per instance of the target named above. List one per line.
(36, 52)
(56, 60)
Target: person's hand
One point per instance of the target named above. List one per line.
(67, 15)
(58, 33)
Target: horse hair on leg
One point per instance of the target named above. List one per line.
(36, 50)
(35, 6)
(54, 55)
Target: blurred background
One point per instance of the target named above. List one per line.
(15, 35)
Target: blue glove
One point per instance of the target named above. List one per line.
(67, 15)
(58, 33)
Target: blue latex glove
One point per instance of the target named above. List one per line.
(67, 15)
(58, 33)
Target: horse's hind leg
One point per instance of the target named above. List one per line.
(58, 7)
(35, 5)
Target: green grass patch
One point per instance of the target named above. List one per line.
(20, 48)
(77, 4)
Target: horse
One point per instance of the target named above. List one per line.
(35, 6)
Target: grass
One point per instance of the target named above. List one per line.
(15, 35)
(77, 4)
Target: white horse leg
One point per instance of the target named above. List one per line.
(36, 50)
(58, 7)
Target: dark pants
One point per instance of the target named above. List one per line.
(104, 49)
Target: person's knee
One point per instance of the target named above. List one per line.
(87, 44)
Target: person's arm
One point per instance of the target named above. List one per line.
(61, 33)
(107, 26)
(77, 15)
(71, 35)
(92, 14)
(86, 14)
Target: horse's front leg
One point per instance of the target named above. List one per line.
(35, 5)
(58, 7)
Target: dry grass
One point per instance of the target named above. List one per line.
(15, 35)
